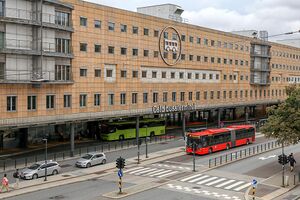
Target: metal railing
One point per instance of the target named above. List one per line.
(243, 153)
(12, 164)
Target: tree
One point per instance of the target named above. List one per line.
(284, 120)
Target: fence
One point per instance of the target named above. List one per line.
(12, 164)
(243, 153)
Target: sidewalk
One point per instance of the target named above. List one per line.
(271, 188)
(86, 174)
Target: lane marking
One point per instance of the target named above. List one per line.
(225, 183)
(233, 185)
(207, 180)
(216, 181)
(197, 179)
(191, 177)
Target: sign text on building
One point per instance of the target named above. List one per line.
(169, 109)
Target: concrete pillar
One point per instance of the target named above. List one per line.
(183, 125)
(72, 139)
(219, 118)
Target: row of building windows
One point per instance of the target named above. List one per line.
(191, 96)
(285, 55)
(285, 67)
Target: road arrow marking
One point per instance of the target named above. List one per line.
(265, 158)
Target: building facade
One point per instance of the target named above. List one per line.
(99, 62)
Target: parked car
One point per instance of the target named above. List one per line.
(91, 159)
(38, 170)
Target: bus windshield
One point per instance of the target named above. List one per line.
(107, 129)
(201, 141)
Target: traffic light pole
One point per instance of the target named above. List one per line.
(120, 184)
(283, 164)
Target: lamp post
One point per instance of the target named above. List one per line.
(46, 141)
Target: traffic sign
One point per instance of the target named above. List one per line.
(254, 183)
(120, 173)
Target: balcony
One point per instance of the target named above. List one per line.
(259, 80)
(264, 54)
(262, 68)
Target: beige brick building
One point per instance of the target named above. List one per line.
(107, 62)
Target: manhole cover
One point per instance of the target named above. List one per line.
(57, 197)
(66, 175)
(196, 187)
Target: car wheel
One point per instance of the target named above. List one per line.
(54, 172)
(210, 150)
(103, 161)
(35, 176)
(88, 165)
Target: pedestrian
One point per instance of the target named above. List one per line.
(16, 175)
(292, 161)
(4, 183)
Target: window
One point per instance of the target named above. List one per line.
(225, 61)
(123, 28)
(146, 53)
(83, 72)
(61, 18)
(145, 97)
(123, 73)
(174, 96)
(211, 94)
(212, 59)
(154, 74)
(82, 100)
(198, 96)
(97, 24)
(97, 48)
(183, 38)
(203, 76)
(67, 101)
(146, 31)
(205, 95)
(135, 30)
(97, 72)
(191, 39)
(182, 56)
(189, 75)
(224, 94)
(11, 103)
(134, 98)
(241, 94)
(2, 36)
(155, 54)
(225, 77)
(172, 75)
(182, 96)
(50, 101)
(198, 40)
(236, 94)
(218, 94)
(83, 47)
(217, 76)
(135, 74)
(156, 33)
(97, 99)
(111, 26)
(144, 74)
(123, 51)
(198, 58)
(191, 57)
(205, 59)
(155, 97)
(111, 99)
(196, 76)
(174, 55)
(166, 54)
(210, 76)
(181, 75)
(61, 45)
(109, 73)
(166, 35)
(230, 94)
(62, 72)
(163, 74)
(123, 98)
(83, 21)
(212, 43)
(190, 96)
(135, 52)
(111, 49)
(165, 97)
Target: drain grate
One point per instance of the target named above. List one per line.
(57, 197)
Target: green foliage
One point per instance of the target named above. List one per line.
(284, 120)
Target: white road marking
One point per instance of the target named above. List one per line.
(207, 180)
(225, 183)
(216, 181)
(233, 185)
(139, 170)
(163, 172)
(149, 170)
(191, 177)
(265, 158)
(168, 174)
(242, 187)
(197, 179)
(154, 172)
(128, 170)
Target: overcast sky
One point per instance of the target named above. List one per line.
(275, 16)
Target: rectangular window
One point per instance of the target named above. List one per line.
(50, 101)
(109, 73)
(191, 39)
(182, 56)
(111, 26)
(191, 57)
(212, 59)
(210, 76)
(211, 94)
(198, 40)
(61, 18)
(225, 77)
(123, 98)
(61, 46)
(165, 97)
(135, 30)
(212, 43)
(134, 98)
(205, 95)
(83, 21)
(203, 76)
(154, 74)
(2, 41)
(11, 103)
(198, 96)
(155, 54)
(218, 94)
(198, 58)
(82, 100)
(83, 72)
(230, 94)
(163, 74)
(189, 75)
(31, 102)
(155, 97)
(123, 28)
(156, 33)
(83, 47)
(123, 51)
(135, 52)
(241, 94)
(224, 94)
(235, 94)
(123, 73)
(205, 59)
(146, 31)
(174, 55)
(97, 99)
(111, 49)
(146, 53)
(62, 72)
(183, 38)
(205, 41)
(196, 76)
(174, 96)
(111, 99)
(135, 74)
(172, 75)
(98, 73)
(190, 96)
(217, 76)
(145, 97)
(144, 74)
(181, 75)
(97, 48)
(67, 101)
(182, 96)
(97, 24)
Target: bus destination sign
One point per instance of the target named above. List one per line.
(169, 109)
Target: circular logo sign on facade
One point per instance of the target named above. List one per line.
(170, 45)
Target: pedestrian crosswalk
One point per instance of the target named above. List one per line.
(151, 172)
(171, 166)
(218, 182)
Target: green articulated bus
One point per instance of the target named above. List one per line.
(127, 129)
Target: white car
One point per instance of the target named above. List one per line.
(38, 170)
(91, 159)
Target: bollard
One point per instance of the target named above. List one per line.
(245, 152)
(265, 147)
(240, 153)
(4, 166)
(209, 163)
(272, 145)
(236, 156)
(286, 180)
(121, 144)
(268, 145)
(253, 150)
(220, 160)
(249, 151)
(215, 161)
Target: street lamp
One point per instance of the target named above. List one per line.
(46, 141)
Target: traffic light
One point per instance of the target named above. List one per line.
(283, 159)
(120, 163)
(280, 159)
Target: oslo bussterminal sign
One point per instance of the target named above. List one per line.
(169, 109)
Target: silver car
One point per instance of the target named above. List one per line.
(38, 170)
(91, 159)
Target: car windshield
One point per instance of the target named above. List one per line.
(34, 166)
(87, 156)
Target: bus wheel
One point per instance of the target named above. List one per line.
(227, 146)
(121, 137)
(210, 150)
(247, 142)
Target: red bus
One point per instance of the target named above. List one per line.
(211, 140)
